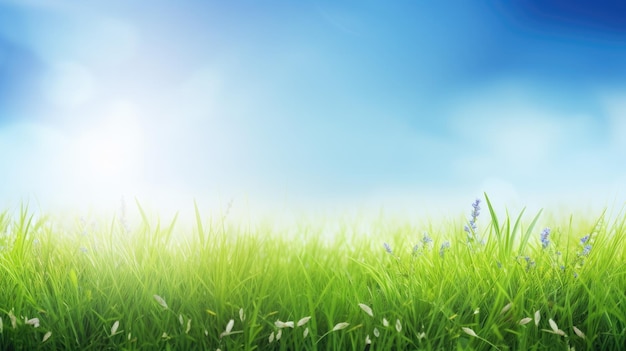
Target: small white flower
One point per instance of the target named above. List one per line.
(367, 309)
(340, 326)
(579, 332)
(303, 321)
(368, 341)
(553, 325)
(161, 301)
(271, 338)
(506, 308)
(398, 325)
(525, 321)
(477, 310)
(281, 325)
(33, 321)
(306, 332)
(421, 335)
(555, 328)
(229, 328)
(188, 326)
(385, 322)
(114, 328)
(13, 319)
(46, 336)
(242, 316)
(469, 332)
(279, 334)
(537, 318)
(376, 332)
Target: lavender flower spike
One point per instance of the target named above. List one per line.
(388, 248)
(445, 246)
(545, 238)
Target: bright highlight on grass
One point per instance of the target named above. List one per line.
(484, 283)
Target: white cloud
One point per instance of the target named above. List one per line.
(530, 153)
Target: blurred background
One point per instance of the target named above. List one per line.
(416, 106)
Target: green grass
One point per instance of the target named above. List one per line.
(165, 290)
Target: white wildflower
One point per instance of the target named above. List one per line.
(281, 325)
(368, 341)
(398, 325)
(114, 328)
(303, 321)
(555, 328)
(279, 334)
(188, 326)
(229, 328)
(305, 333)
(537, 318)
(469, 332)
(33, 321)
(161, 301)
(506, 308)
(385, 322)
(340, 326)
(579, 332)
(242, 316)
(271, 338)
(46, 336)
(376, 332)
(13, 319)
(553, 325)
(525, 321)
(421, 335)
(477, 310)
(367, 309)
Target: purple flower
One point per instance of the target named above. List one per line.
(545, 238)
(426, 240)
(388, 248)
(584, 239)
(586, 250)
(472, 228)
(416, 248)
(444, 247)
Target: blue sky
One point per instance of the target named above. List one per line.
(312, 104)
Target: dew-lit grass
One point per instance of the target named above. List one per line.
(484, 283)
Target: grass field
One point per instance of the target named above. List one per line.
(485, 283)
